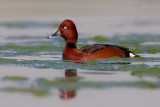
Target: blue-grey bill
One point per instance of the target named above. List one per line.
(57, 33)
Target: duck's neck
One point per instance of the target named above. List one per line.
(71, 45)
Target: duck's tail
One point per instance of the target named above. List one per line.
(131, 54)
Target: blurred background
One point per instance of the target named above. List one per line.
(24, 9)
(93, 17)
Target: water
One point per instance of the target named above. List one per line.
(32, 70)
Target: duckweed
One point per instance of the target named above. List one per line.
(15, 78)
(28, 24)
(31, 90)
(134, 45)
(92, 62)
(89, 84)
(7, 61)
(40, 93)
(152, 71)
(36, 48)
(43, 86)
(136, 50)
(55, 25)
(99, 38)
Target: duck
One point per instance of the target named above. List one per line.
(68, 31)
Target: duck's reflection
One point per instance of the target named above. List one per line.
(70, 75)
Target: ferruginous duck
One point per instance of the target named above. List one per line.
(68, 31)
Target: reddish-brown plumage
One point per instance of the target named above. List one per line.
(68, 31)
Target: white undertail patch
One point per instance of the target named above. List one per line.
(131, 55)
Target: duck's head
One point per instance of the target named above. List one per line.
(67, 30)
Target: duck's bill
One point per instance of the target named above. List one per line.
(57, 33)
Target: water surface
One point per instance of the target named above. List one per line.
(34, 74)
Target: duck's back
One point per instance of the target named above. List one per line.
(106, 50)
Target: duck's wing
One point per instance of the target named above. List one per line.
(95, 47)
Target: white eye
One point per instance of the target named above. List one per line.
(65, 27)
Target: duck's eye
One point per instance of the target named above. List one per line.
(65, 27)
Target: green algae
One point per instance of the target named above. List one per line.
(77, 84)
(55, 25)
(7, 61)
(109, 64)
(28, 24)
(132, 67)
(136, 50)
(36, 48)
(15, 50)
(40, 93)
(44, 87)
(57, 45)
(13, 25)
(15, 78)
(99, 38)
(80, 45)
(133, 42)
(94, 64)
(31, 90)
(152, 71)
(128, 43)
(147, 49)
